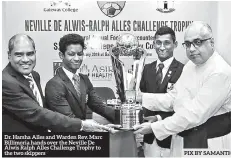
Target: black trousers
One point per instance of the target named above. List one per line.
(216, 126)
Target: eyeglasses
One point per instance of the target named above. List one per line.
(196, 43)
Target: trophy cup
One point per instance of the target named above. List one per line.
(127, 82)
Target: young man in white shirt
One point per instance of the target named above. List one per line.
(157, 77)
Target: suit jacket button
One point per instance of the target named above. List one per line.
(195, 129)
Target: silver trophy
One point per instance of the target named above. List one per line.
(128, 81)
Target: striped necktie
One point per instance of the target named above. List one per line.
(159, 74)
(76, 80)
(32, 87)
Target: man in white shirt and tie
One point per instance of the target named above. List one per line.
(202, 91)
(157, 77)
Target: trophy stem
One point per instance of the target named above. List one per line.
(128, 83)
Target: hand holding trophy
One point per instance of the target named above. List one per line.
(128, 82)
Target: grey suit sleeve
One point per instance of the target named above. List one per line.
(56, 100)
(97, 105)
(16, 101)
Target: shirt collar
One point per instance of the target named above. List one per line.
(69, 74)
(166, 63)
(30, 76)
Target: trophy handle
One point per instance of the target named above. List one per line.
(139, 67)
(119, 73)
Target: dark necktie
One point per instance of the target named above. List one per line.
(159, 74)
(76, 79)
(32, 87)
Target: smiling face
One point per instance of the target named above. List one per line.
(199, 54)
(23, 56)
(164, 46)
(72, 57)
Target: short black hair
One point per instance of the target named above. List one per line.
(13, 38)
(69, 39)
(166, 30)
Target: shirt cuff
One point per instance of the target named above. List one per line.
(159, 118)
(157, 130)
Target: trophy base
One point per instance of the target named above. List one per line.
(124, 129)
(127, 129)
(127, 115)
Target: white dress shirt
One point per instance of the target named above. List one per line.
(70, 74)
(154, 150)
(200, 93)
(166, 63)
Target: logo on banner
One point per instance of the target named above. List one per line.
(95, 72)
(111, 8)
(56, 65)
(101, 73)
(56, 3)
(165, 6)
(170, 86)
(84, 70)
(60, 6)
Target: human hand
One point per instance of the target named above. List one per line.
(113, 128)
(144, 128)
(92, 126)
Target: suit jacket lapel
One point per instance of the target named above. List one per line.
(70, 86)
(22, 80)
(153, 76)
(169, 73)
(153, 67)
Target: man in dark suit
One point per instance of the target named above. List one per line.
(157, 77)
(23, 105)
(70, 92)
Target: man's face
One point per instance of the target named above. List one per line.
(200, 51)
(73, 57)
(164, 46)
(23, 56)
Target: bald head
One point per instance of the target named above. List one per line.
(22, 54)
(20, 38)
(201, 28)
